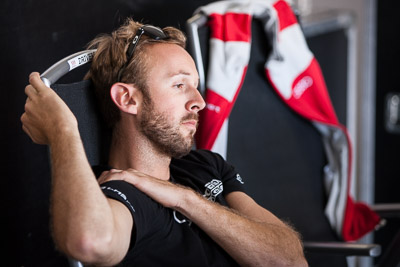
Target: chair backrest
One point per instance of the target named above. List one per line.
(95, 136)
(80, 98)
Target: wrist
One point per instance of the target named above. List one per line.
(191, 201)
(64, 133)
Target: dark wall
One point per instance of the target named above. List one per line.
(35, 34)
(388, 69)
(387, 149)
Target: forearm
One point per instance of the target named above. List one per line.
(83, 220)
(81, 215)
(249, 242)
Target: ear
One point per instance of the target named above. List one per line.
(126, 97)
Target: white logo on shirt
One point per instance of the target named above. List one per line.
(183, 220)
(239, 178)
(213, 189)
(122, 195)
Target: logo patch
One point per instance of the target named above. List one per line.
(179, 218)
(239, 178)
(213, 189)
(305, 83)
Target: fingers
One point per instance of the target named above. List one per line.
(36, 85)
(30, 91)
(25, 129)
(131, 176)
(30, 131)
(36, 82)
(108, 176)
(162, 191)
(102, 177)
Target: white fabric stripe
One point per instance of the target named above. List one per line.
(336, 173)
(342, 147)
(295, 58)
(252, 7)
(221, 143)
(226, 64)
(331, 206)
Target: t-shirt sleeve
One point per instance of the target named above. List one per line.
(115, 189)
(230, 177)
(142, 207)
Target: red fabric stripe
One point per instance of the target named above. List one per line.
(310, 96)
(359, 220)
(285, 14)
(213, 116)
(230, 27)
(311, 100)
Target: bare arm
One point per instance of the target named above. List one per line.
(86, 225)
(253, 235)
(248, 232)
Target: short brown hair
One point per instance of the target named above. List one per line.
(111, 56)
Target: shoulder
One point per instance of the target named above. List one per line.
(201, 156)
(205, 163)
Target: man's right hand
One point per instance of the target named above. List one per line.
(46, 115)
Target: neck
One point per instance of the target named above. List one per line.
(131, 149)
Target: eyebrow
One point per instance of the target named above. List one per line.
(181, 72)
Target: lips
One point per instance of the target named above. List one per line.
(190, 123)
(190, 120)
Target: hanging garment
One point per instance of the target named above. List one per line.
(297, 78)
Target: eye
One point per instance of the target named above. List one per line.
(179, 85)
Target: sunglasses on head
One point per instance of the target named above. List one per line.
(151, 31)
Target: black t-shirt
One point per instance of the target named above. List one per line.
(164, 237)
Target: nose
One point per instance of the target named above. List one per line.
(196, 101)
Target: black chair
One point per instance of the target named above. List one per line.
(279, 154)
(80, 98)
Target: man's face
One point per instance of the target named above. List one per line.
(169, 116)
(166, 135)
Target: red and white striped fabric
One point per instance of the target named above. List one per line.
(296, 76)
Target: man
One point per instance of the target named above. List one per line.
(155, 205)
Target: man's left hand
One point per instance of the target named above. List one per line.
(164, 192)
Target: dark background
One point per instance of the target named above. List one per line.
(387, 144)
(35, 34)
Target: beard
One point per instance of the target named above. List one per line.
(166, 137)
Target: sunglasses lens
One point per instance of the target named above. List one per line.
(154, 32)
(151, 31)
